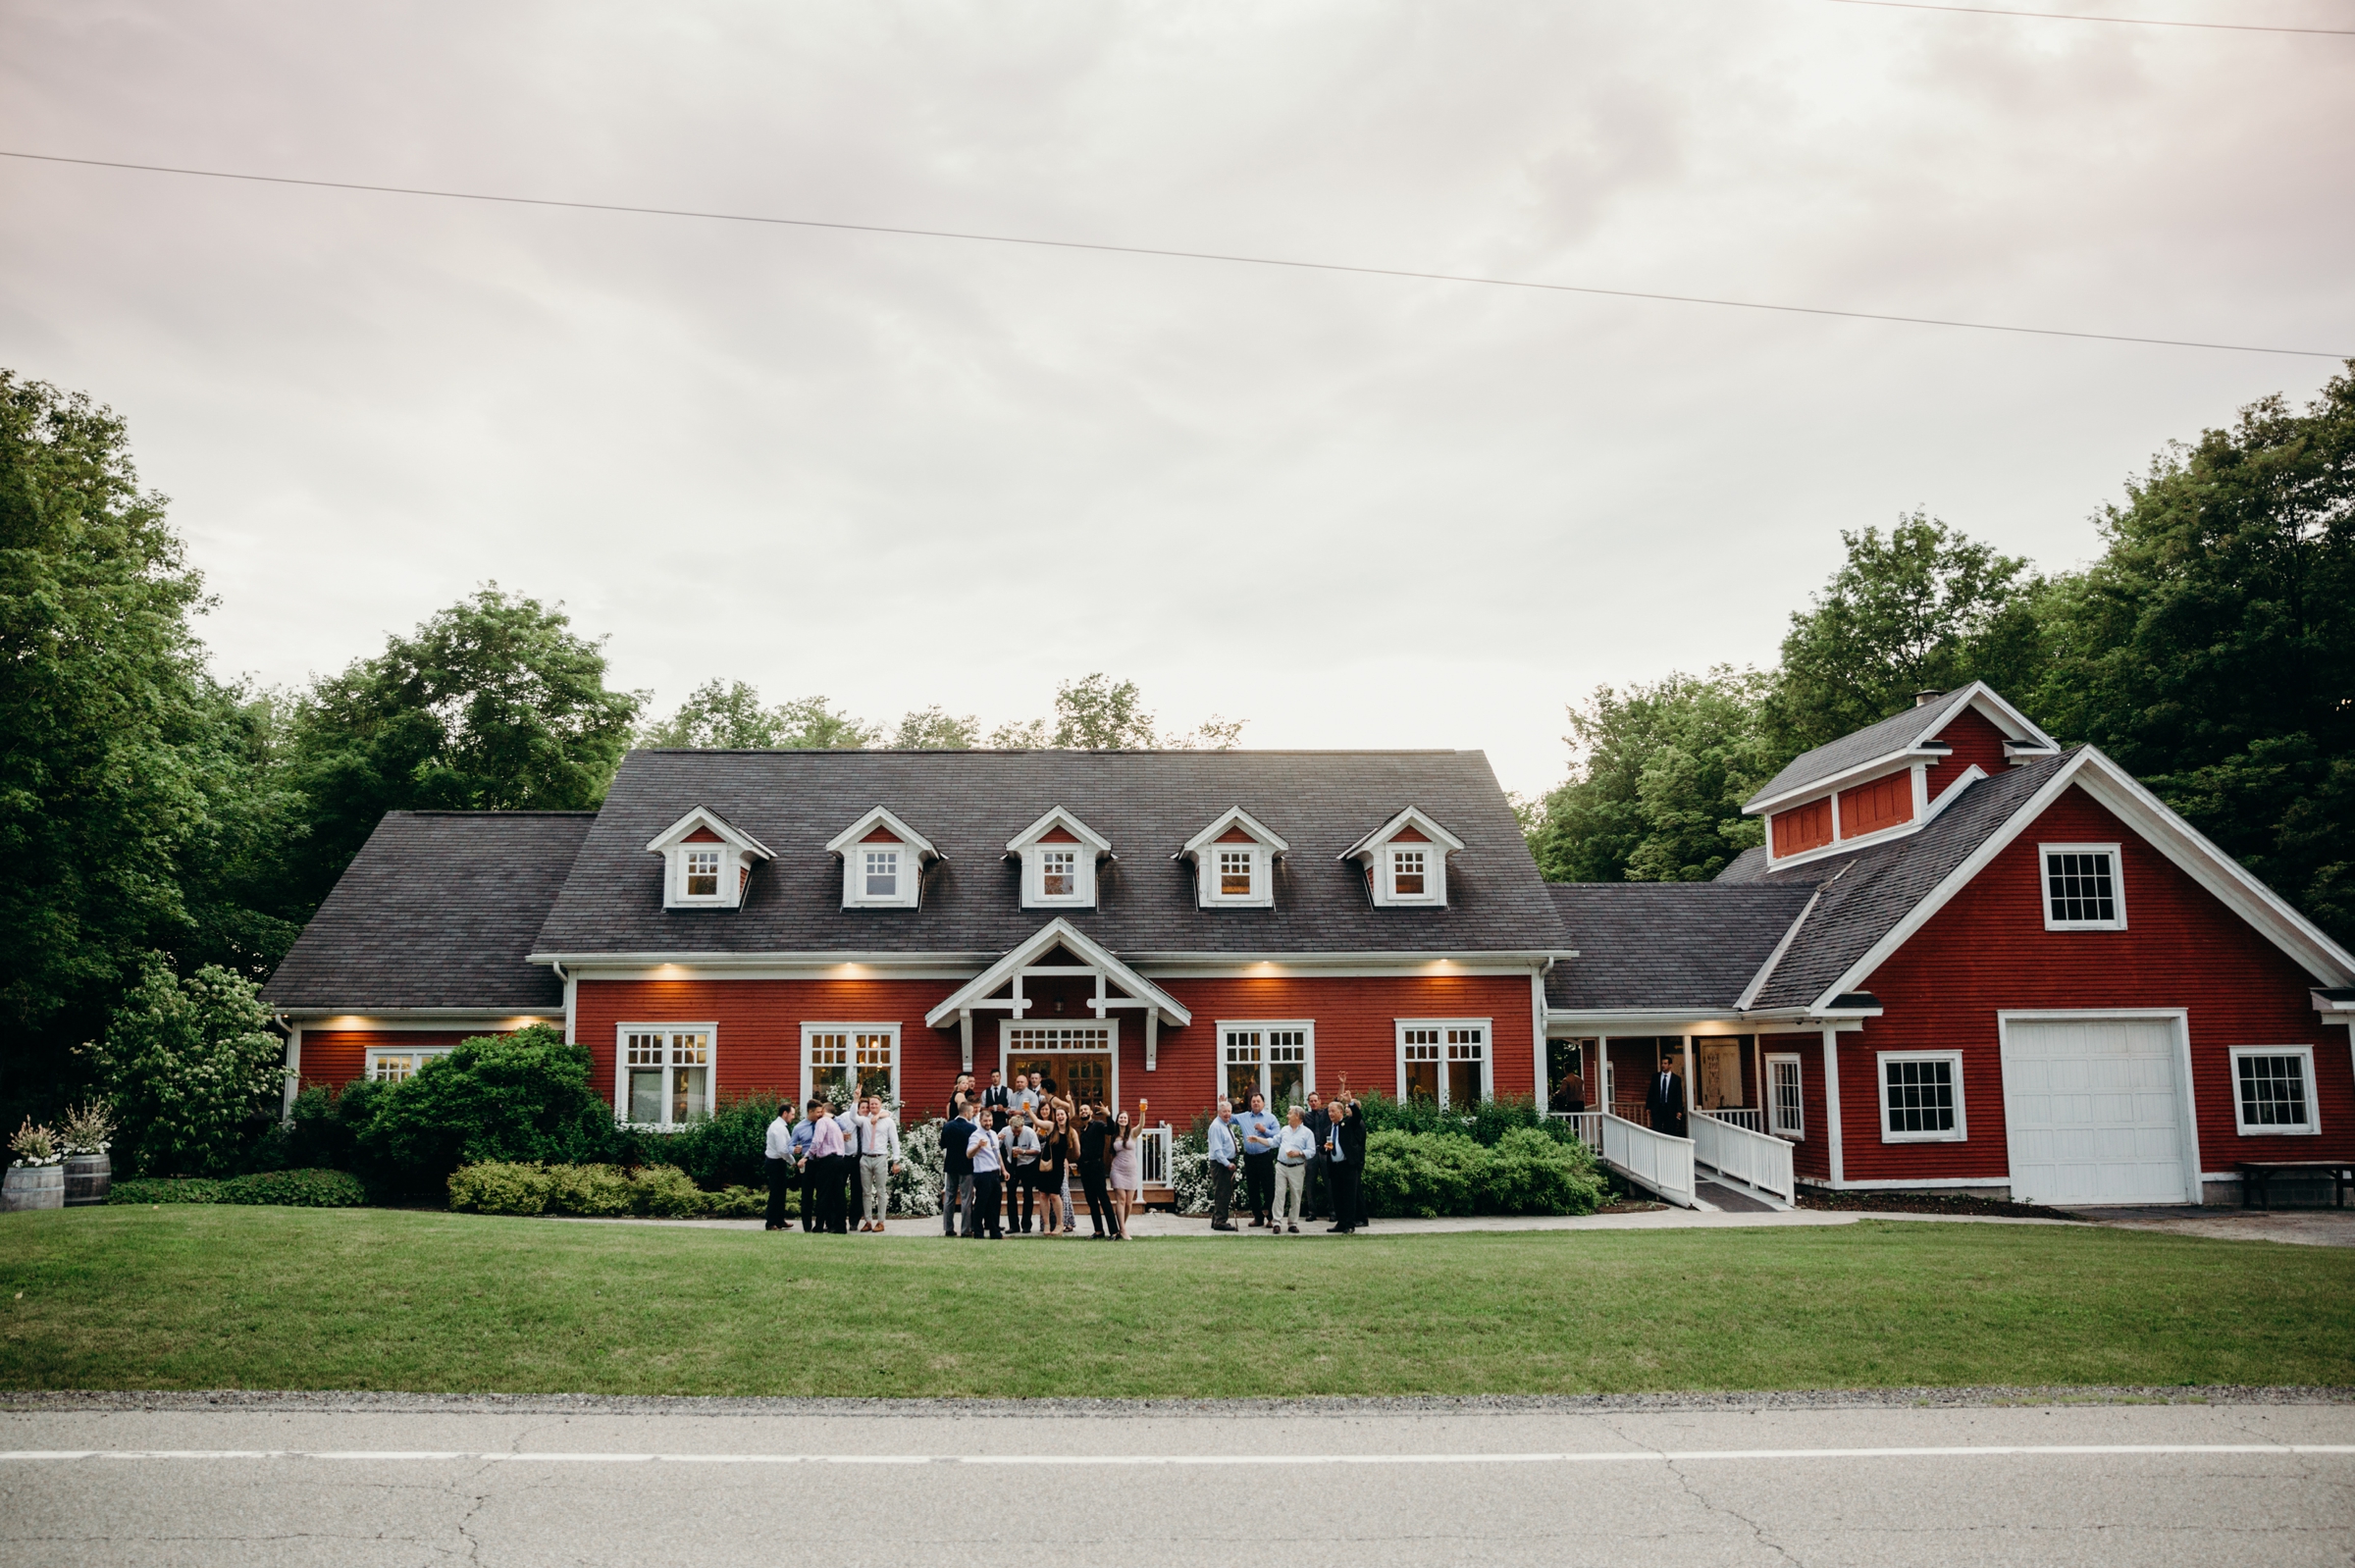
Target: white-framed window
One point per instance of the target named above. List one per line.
(1084, 1058)
(1786, 1107)
(1239, 871)
(2082, 888)
(1410, 871)
(1443, 1059)
(1277, 1059)
(389, 1064)
(664, 1075)
(882, 872)
(1058, 873)
(1921, 1097)
(842, 1062)
(698, 870)
(2272, 1092)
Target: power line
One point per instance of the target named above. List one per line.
(1176, 255)
(2131, 21)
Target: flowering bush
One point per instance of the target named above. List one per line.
(915, 1187)
(35, 1146)
(1189, 1173)
(88, 1131)
(193, 1068)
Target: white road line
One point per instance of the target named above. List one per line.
(1226, 1461)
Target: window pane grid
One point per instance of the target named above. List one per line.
(1789, 1114)
(703, 873)
(1407, 873)
(1921, 1096)
(882, 873)
(2272, 1092)
(1058, 873)
(2080, 887)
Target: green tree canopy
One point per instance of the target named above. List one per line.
(1657, 793)
(730, 714)
(1925, 607)
(193, 1068)
(495, 704)
(936, 729)
(2211, 651)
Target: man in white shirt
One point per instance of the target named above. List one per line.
(1295, 1146)
(847, 1120)
(988, 1170)
(878, 1157)
(779, 1156)
(1221, 1165)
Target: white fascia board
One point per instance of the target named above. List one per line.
(1413, 817)
(1758, 981)
(2160, 828)
(841, 842)
(1059, 817)
(2328, 1006)
(2015, 725)
(1954, 792)
(1060, 932)
(1234, 816)
(1209, 966)
(703, 816)
(960, 963)
(1834, 783)
(412, 1018)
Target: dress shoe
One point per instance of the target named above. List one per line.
(1293, 1229)
(1222, 1224)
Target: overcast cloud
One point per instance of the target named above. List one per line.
(1357, 511)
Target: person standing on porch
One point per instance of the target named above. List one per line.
(1259, 1130)
(1025, 1095)
(1574, 1092)
(997, 1097)
(1295, 1145)
(826, 1155)
(982, 1150)
(1666, 1099)
(1223, 1150)
(778, 1156)
(879, 1160)
(1346, 1144)
(956, 1167)
(1319, 1194)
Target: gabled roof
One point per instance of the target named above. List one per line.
(1412, 817)
(437, 911)
(1060, 933)
(1644, 946)
(1058, 817)
(1233, 816)
(703, 817)
(881, 817)
(1899, 737)
(970, 802)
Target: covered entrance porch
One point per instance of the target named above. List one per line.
(1723, 1152)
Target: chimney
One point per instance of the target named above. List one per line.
(1925, 697)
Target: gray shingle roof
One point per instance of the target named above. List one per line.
(1896, 733)
(437, 910)
(1868, 892)
(970, 802)
(1644, 945)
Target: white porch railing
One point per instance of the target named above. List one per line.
(1754, 1120)
(1153, 1155)
(1660, 1161)
(1731, 1149)
(1585, 1125)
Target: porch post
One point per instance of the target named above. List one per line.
(1152, 1037)
(965, 1034)
(1831, 1099)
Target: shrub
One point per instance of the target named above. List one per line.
(1189, 1169)
(595, 1190)
(300, 1189)
(193, 1068)
(740, 1203)
(88, 1131)
(1529, 1171)
(33, 1145)
(666, 1192)
(598, 1192)
(915, 1187)
(164, 1189)
(728, 1148)
(497, 1186)
(519, 1097)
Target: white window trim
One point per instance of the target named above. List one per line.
(1034, 877)
(680, 897)
(1007, 1026)
(2314, 1110)
(1435, 872)
(809, 1031)
(1958, 1133)
(1308, 1065)
(421, 1051)
(621, 1068)
(1796, 1133)
(854, 878)
(1488, 1052)
(1263, 891)
(2118, 885)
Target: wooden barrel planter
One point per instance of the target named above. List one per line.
(88, 1179)
(33, 1186)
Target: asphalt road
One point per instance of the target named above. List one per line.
(2141, 1484)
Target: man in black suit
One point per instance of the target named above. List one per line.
(1347, 1144)
(1666, 1099)
(997, 1097)
(957, 1168)
(1320, 1169)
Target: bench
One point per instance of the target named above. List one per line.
(2257, 1175)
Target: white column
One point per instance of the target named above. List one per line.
(965, 1034)
(1152, 1038)
(1831, 1099)
(1540, 1047)
(294, 1063)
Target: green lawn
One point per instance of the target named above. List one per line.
(204, 1297)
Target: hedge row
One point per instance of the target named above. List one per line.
(1425, 1175)
(300, 1189)
(660, 1191)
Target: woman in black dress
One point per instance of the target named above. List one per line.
(1057, 1150)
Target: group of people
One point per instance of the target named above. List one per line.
(1010, 1151)
(842, 1160)
(1293, 1171)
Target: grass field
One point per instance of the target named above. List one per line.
(201, 1297)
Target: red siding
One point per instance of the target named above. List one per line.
(704, 835)
(1974, 740)
(881, 835)
(759, 1024)
(1059, 835)
(1409, 835)
(1883, 803)
(1235, 835)
(1802, 827)
(334, 1058)
(1988, 950)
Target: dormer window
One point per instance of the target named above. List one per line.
(1234, 861)
(883, 861)
(706, 862)
(1059, 855)
(1404, 861)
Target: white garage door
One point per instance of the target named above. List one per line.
(2095, 1112)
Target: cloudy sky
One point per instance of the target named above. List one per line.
(1354, 511)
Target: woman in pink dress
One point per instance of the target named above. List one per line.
(1127, 1176)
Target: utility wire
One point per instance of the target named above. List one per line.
(1178, 255)
(2131, 21)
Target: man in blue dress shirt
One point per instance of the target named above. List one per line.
(1223, 1150)
(1259, 1130)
